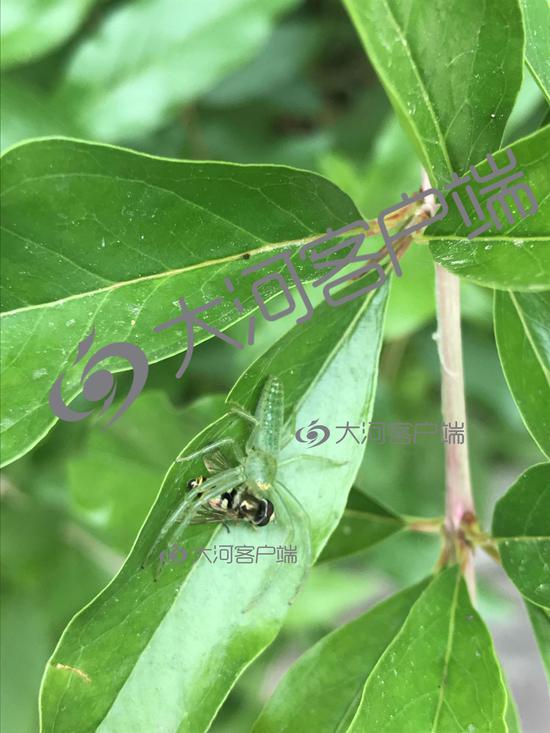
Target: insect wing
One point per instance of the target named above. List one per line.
(214, 516)
(216, 462)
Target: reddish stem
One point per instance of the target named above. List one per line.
(458, 487)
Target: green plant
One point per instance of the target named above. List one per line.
(102, 236)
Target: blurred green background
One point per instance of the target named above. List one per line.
(275, 81)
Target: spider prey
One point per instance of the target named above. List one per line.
(238, 493)
(235, 505)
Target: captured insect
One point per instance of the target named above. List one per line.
(250, 491)
(232, 506)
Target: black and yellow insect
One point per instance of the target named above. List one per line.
(235, 505)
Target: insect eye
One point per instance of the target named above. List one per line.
(227, 500)
(265, 513)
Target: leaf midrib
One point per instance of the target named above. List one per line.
(401, 633)
(271, 247)
(448, 652)
(422, 86)
(496, 239)
(396, 97)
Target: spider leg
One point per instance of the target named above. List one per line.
(213, 487)
(248, 416)
(292, 422)
(285, 500)
(210, 489)
(182, 516)
(304, 527)
(309, 457)
(230, 442)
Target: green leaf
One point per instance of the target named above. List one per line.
(536, 16)
(440, 673)
(173, 52)
(390, 168)
(293, 43)
(528, 112)
(540, 620)
(26, 111)
(22, 660)
(523, 340)
(451, 70)
(364, 523)
(49, 569)
(518, 256)
(322, 690)
(115, 239)
(512, 715)
(30, 28)
(521, 526)
(201, 624)
(329, 593)
(114, 478)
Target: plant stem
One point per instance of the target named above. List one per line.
(430, 525)
(458, 489)
(457, 469)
